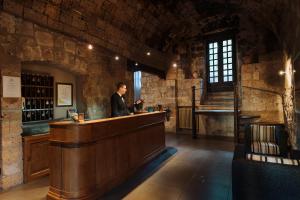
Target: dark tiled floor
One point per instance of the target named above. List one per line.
(191, 169)
(201, 169)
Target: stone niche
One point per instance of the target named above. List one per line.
(97, 74)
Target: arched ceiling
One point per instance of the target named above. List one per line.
(157, 23)
(130, 27)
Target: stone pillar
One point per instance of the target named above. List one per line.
(11, 162)
(289, 101)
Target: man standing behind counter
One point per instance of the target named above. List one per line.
(117, 101)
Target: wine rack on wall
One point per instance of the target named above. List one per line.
(38, 97)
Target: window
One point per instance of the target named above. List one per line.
(213, 63)
(220, 64)
(227, 61)
(137, 84)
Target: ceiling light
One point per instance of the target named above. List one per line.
(174, 65)
(136, 64)
(148, 53)
(90, 47)
(117, 57)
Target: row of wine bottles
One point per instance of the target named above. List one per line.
(30, 104)
(36, 92)
(36, 79)
(38, 97)
(37, 115)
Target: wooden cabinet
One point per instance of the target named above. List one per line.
(35, 157)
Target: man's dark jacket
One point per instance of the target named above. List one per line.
(118, 106)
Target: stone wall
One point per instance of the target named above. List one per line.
(27, 43)
(120, 26)
(263, 75)
(173, 92)
(159, 91)
(11, 162)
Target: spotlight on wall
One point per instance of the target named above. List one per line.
(136, 64)
(90, 46)
(117, 57)
(281, 72)
(148, 53)
(174, 65)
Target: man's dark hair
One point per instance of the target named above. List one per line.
(120, 84)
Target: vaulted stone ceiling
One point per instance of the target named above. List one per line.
(131, 27)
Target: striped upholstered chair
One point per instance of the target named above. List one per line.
(267, 139)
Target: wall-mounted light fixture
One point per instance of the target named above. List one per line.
(148, 53)
(281, 72)
(174, 65)
(117, 58)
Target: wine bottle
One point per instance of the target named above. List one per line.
(38, 104)
(47, 114)
(38, 80)
(43, 115)
(33, 104)
(42, 104)
(28, 115)
(38, 92)
(28, 79)
(43, 92)
(33, 80)
(32, 115)
(28, 105)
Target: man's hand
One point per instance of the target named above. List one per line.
(138, 101)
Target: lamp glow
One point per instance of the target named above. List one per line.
(90, 46)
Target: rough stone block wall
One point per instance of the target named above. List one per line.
(26, 42)
(263, 75)
(159, 91)
(120, 26)
(172, 92)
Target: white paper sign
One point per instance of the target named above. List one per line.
(11, 86)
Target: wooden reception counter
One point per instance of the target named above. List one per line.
(87, 159)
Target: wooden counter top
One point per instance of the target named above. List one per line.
(90, 158)
(69, 122)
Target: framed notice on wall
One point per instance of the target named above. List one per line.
(64, 94)
(11, 86)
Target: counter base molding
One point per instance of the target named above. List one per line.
(88, 159)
